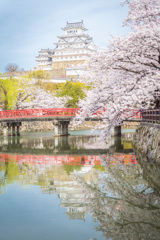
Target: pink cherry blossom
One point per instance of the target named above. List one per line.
(126, 74)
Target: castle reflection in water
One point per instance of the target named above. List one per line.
(53, 164)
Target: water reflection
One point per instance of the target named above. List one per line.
(104, 180)
(70, 145)
(124, 204)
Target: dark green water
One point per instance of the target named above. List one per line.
(77, 188)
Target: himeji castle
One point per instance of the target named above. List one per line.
(45, 59)
(73, 48)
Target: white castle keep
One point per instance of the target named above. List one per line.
(73, 48)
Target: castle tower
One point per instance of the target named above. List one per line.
(73, 48)
(45, 59)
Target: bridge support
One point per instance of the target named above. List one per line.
(116, 131)
(18, 129)
(13, 130)
(9, 130)
(65, 128)
(4, 126)
(61, 128)
(11, 127)
(57, 128)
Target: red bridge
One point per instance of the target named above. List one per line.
(39, 113)
(61, 118)
(54, 112)
(67, 160)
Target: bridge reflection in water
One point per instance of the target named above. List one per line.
(89, 177)
(69, 160)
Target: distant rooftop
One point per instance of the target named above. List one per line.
(46, 50)
(74, 25)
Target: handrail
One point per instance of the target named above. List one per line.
(38, 113)
(58, 112)
(151, 116)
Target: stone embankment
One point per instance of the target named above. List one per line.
(37, 126)
(130, 125)
(147, 141)
(48, 126)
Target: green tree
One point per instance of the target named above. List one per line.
(8, 92)
(47, 86)
(39, 74)
(73, 90)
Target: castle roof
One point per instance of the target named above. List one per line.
(47, 50)
(74, 25)
(75, 35)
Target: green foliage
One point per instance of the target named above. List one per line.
(8, 92)
(11, 175)
(100, 168)
(12, 172)
(71, 168)
(39, 74)
(1, 74)
(73, 90)
(47, 86)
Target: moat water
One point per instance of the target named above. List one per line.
(77, 188)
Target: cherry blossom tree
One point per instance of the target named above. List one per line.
(42, 99)
(126, 74)
(25, 91)
(142, 12)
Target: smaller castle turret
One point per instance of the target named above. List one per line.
(45, 59)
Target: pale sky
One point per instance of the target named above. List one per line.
(26, 26)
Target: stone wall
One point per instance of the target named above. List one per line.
(65, 64)
(130, 125)
(147, 141)
(48, 126)
(58, 73)
(37, 126)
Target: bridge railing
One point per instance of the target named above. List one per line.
(151, 116)
(34, 113)
(58, 112)
(133, 113)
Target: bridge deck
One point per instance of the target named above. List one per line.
(51, 118)
(61, 114)
(54, 113)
